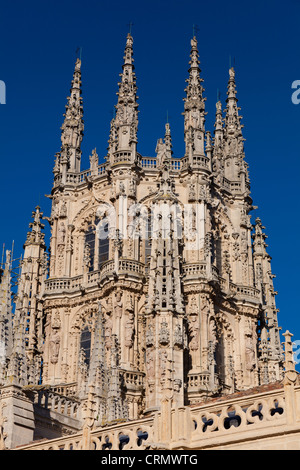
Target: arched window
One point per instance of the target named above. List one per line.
(85, 344)
(90, 246)
(148, 236)
(103, 242)
(97, 244)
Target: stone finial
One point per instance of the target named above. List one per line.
(289, 363)
(73, 125)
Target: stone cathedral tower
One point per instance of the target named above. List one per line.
(158, 284)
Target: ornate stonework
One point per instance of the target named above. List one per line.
(157, 283)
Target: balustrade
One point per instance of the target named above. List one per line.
(224, 421)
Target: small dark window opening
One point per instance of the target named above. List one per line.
(85, 344)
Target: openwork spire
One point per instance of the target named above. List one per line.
(35, 235)
(236, 169)
(72, 128)
(5, 315)
(233, 126)
(194, 107)
(219, 131)
(123, 132)
(269, 329)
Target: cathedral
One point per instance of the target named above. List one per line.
(155, 286)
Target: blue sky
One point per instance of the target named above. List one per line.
(38, 42)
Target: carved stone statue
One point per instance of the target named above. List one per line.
(54, 345)
(250, 353)
(150, 364)
(129, 330)
(108, 331)
(194, 330)
(61, 234)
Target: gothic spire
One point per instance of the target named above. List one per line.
(98, 367)
(233, 126)
(72, 128)
(28, 317)
(236, 168)
(194, 108)
(264, 282)
(123, 133)
(5, 315)
(35, 235)
(219, 131)
(217, 156)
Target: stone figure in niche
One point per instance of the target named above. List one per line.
(178, 336)
(118, 304)
(163, 358)
(61, 236)
(177, 385)
(55, 322)
(149, 336)
(108, 331)
(150, 365)
(194, 332)
(54, 345)
(121, 188)
(250, 353)
(164, 333)
(63, 210)
(193, 306)
(212, 330)
(75, 139)
(132, 187)
(129, 303)
(192, 191)
(195, 119)
(129, 330)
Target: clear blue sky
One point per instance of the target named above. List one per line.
(37, 56)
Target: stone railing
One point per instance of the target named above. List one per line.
(244, 291)
(50, 400)
(268, 414)
(151, 163)
(122, 156)
(239, 290)
(137, 269)
(65, 389)
(135, 435)
(75, 284)
(63, 284)
(196, 381)
(211, 423)
(198, 161)
(199, 270)
(194, 269)
(131, 266)
(133, 380)
(78, 178)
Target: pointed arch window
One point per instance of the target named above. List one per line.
(102, 242)
(148, 239)
(97, 244)
(90, 247)
(85, 344)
